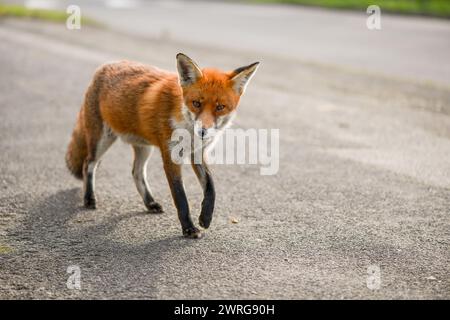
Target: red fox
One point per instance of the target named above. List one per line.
(143, 105)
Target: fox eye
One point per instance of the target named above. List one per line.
(196, 104)
(220, 107)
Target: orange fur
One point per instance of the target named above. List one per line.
(140, 100)
(132, 99)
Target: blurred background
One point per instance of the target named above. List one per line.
(410, 47)
(364, 179)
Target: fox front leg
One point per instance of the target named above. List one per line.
(209, 194)
(173, 174)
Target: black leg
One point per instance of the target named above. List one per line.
(173, 174)
(89, 184)
(209, 194)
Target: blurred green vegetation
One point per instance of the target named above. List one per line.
(44, 14)
(435, 8)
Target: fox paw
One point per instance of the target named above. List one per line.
(204, 221)
(90, 203)
(192, 233)
(154, 207)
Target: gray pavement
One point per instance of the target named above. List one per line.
(364, 181)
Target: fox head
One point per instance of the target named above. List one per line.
(211, 96)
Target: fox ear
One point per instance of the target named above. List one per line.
(241, 77)
(188, 70)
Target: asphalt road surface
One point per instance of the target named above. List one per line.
(363, 184)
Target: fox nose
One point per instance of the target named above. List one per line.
(202, 132)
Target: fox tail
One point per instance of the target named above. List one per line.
(77, 150)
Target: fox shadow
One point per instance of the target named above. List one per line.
(54, 214)
(49, 226)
